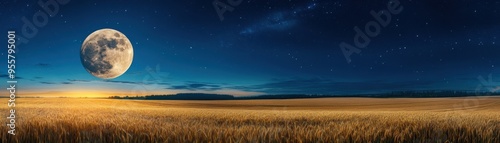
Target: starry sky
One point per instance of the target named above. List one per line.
(260, 47)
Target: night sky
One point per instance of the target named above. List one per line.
(261, 47)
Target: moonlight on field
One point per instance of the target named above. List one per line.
(106, 53)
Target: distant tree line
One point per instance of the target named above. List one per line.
(394, 94)
(179, 96)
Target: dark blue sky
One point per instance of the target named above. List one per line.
(261, 47)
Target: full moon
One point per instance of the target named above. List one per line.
(106, 53)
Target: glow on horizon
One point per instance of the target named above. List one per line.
(75, 93)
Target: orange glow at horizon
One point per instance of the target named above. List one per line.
(107, 93)
(83, 93)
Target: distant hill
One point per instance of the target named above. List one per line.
(398, 94)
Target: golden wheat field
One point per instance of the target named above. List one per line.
(295, 120)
